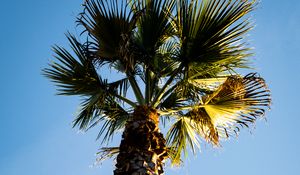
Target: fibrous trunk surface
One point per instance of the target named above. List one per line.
(142, 149)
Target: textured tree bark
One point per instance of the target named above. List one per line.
(142, 149)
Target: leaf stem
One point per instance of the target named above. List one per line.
(147, 86)
(136, 89)
(160, 94)
(126, 100)
(174, 110)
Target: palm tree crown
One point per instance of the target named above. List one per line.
(178, 57)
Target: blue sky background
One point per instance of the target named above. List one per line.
(36, 137)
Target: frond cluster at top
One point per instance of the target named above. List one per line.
(176, 56)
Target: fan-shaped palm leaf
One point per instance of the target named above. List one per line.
(163, 62)
(156, 15)
(211, 32)
(181, 134)
(110, 23)
(74, 76)
(114, 117)
(208, 84)
(77, 76)
(237, 102)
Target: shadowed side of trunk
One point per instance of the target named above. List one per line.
(142, 149)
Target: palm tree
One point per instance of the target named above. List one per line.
(173, 62)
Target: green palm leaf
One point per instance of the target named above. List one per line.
(74, 76)
(156, 15)
(211, 32)
(164, 62)
(110, 24)
(77, 76)
(238, 102)
(181, 134)
(114, 118)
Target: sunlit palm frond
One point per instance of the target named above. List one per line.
(204, 125)
(238, 102)
(181, 134)
(207, 84)
(201, 27)
(211, 32)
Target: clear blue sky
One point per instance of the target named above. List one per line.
(36, 137)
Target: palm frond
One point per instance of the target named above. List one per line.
(238, 102)
(211, 32)
(106, 153)
(174, 100)
(156, 15)
(161, 66)
(91, 109)
(207, 84)
(106, 112)
(181, 94)
(121, 86)
(181, 134)
(115, 118)
(110, 23)
(163, 62)
(204, 125)
(74, 76)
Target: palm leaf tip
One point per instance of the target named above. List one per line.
(106, 153)
(238, 102)
(204, 126)
(73, 73)
(181, 135)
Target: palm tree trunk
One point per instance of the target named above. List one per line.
(142, 149)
